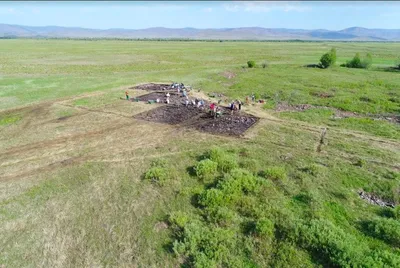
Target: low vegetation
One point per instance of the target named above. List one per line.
(85, 183)
(235, 226)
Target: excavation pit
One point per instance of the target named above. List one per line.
(201, 119)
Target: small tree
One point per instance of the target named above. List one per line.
(328, 58)
(366, 63)
(251, 64)
(355, 62)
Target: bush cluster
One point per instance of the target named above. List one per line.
(385, 229)
(206, 169)
(358, 62)
(234, 225)
(335, 247)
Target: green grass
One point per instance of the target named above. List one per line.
(326, 118)
(266, 200)
(9, 119)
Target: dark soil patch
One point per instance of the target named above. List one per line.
(201, 119)
(170, 114)
(234, 125)
(152, 86)
(174, 98)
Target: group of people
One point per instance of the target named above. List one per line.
(199, 103)
(253, 98)
(179, 87)
(215, 110)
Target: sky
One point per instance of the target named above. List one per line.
(207, 14)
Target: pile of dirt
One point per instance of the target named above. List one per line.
(152, 86)
(374, 199)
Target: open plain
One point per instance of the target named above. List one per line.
(88, 178)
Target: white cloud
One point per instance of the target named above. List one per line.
(257, 6)
(10, 11)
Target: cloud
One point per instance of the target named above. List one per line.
(259, 7)
(208, 9)
(10, 11)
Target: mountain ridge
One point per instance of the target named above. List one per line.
(238, 33)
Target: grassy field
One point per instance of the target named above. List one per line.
(83, 183)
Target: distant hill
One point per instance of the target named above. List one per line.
(244, 33)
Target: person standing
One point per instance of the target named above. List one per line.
(253, 97)
(127, 95)
(240, 105)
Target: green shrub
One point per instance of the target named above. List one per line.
(287, 255)
(385, 229)
(367, 61)
(275, 173)
(397, 212)
(328, 59)
(357, 62)
(157, 174)
(265, 227)
(381, 258)
(212, 198)
(178, 218)
(225, 162)
(205, 246)
(331, 243)
(215, 154)
(206, 169)
(251, 64)
(222, 216)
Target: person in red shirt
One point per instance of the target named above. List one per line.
(212, 108)
(127, 95)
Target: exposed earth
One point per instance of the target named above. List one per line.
(193, 117)
(153, 86)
